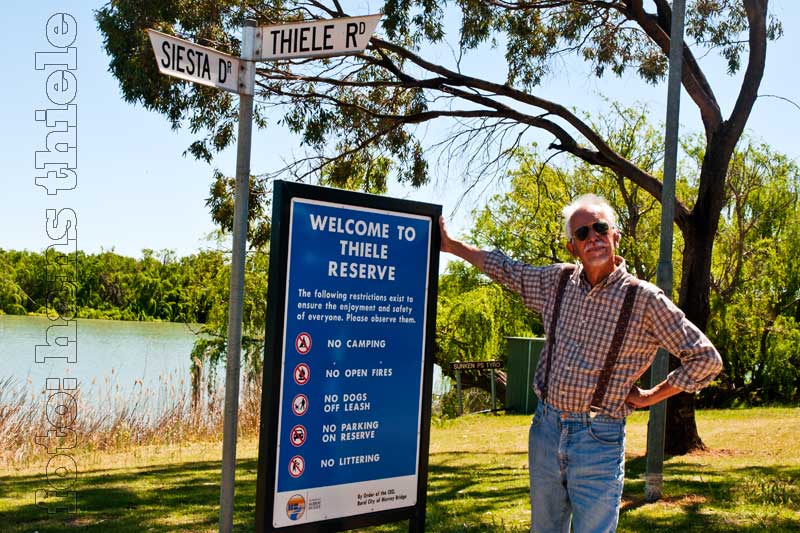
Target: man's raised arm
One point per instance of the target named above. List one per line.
(465, 251)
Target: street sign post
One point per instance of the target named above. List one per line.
(656, 425)
(199, 64)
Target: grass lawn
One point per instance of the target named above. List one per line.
(749, 480)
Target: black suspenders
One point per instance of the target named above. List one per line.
(616, 342)
(551, 334)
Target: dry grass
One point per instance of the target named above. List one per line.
(106, 419)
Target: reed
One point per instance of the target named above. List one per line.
(107, 417)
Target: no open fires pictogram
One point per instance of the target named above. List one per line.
(298, 435)
(302, 374)
(297, 466)
(302, 343)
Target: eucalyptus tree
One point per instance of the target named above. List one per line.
(355, 114)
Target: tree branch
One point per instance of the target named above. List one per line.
(693, 78)
(757, 17)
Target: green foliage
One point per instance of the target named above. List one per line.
(12, 297)
(158, 286)
(220, 203)
(756, 283)
(202, 109)
(210, 349)
(472, 325)
(721, 24)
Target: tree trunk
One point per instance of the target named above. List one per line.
(681, 429)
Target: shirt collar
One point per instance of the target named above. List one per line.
(620, 272)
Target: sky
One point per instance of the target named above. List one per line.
(136, 190)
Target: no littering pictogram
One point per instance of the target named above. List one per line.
(298, 435)
(300, 404)
(303, 343)
(296, 466)
(302, 374)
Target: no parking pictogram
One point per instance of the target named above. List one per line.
(300, 404)
(302, 374)
(297, 466)
(303, 343)
(298, 435)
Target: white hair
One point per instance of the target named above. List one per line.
(588, 200)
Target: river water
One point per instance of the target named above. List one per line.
(113, 355)
(115, 352)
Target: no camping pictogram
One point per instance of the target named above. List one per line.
(302, 343)
(302, 374)
(297, 466)
(298, 435)
(300, 404)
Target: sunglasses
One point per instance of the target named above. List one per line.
(600, 227)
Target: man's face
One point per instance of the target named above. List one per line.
(596, 250)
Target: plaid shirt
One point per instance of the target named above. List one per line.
(586, 326)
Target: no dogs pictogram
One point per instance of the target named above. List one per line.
(302, 374)
(303, 343)
(296, 466)
(298, 435)
(300, 404)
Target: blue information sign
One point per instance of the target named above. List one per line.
(352, 361)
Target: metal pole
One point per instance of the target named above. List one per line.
(658, 373)
(458, 389)
(528, 383)
(246, 85)
(494, 394)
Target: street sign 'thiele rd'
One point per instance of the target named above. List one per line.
(318, 38)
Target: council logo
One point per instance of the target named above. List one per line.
(295, 507)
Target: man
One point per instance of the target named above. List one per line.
(603, 329)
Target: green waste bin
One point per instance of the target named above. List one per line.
(523, 356)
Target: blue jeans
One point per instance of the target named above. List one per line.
(577, 468)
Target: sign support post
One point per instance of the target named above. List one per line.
(247, 75)
(458, 390)
(206, 66)
(494, 392)
(658, 412)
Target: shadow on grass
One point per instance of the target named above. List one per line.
(179, 497)
(185, 497)
(699, 498)
(467, 492)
